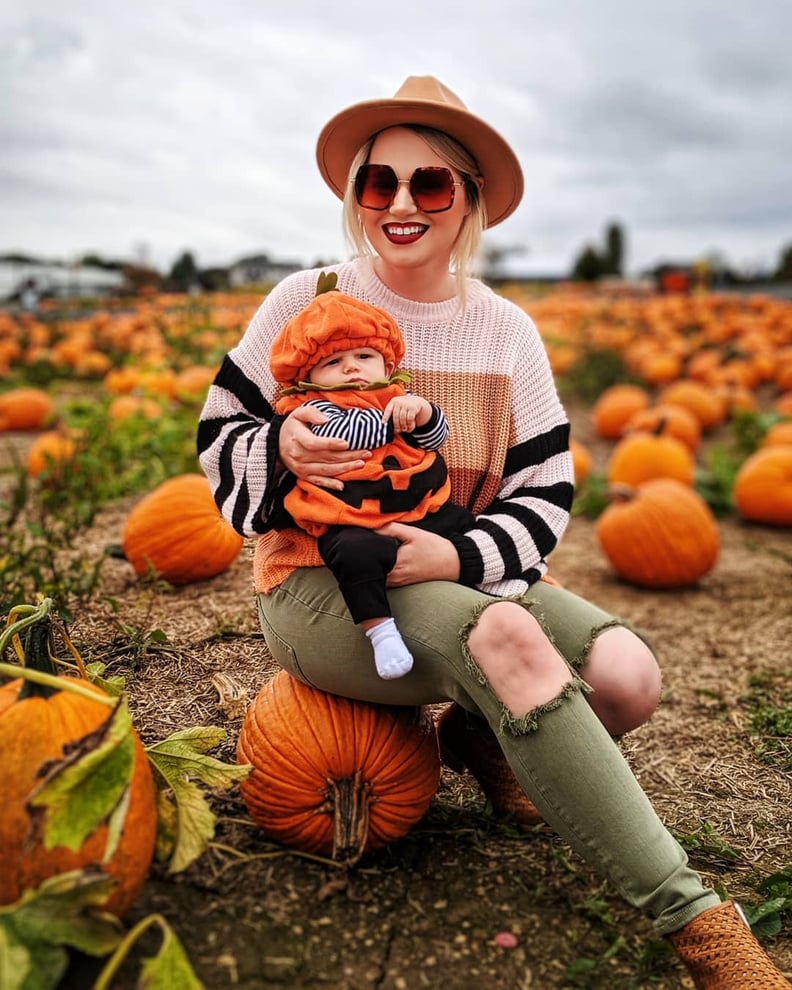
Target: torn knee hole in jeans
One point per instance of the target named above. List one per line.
(529, 722)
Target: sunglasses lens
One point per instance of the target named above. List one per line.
(375, 186)
(432, 189)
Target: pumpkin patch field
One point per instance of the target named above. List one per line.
(276, 838)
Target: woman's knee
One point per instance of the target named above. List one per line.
(522, 666)
(625, 677)
(508, 629)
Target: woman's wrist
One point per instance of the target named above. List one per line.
(471, 568)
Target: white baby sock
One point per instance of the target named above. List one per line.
(391, 656)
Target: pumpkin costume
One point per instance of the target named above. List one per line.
(405, 480)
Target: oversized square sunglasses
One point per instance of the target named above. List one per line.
(431, 187)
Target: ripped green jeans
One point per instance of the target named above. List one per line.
(563, 757)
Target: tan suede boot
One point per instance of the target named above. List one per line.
(721, 953)
(467, 742)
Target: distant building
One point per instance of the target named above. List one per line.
(56, 280)
(260, 269)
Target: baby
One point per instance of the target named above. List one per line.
(341, 356)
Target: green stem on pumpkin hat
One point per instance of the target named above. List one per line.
(400, 377)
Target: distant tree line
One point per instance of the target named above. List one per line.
(784, 271)
(593, 262)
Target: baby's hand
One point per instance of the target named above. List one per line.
(407, 412)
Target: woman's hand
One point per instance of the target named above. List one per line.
(422, 556)
(316, 459)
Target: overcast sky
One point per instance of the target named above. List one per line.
(144, 129)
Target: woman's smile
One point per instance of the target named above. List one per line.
(404, 233)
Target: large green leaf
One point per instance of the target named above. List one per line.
(186, 822)
(61, 912)
(170, 968)
(89, 787)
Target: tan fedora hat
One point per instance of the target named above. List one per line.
(423, 100)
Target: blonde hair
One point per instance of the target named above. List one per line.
(457, 157)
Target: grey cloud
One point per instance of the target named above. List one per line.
(194, 126)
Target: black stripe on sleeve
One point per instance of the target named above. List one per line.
(505, 544)
(543, 536)
(226, 462)
(561, 494)
(234, 380)
(241, 507)
(537, 450)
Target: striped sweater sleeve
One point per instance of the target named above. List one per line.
(517, 531)
(434, 433)
(238, 429)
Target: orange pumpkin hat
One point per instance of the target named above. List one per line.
(332, 322)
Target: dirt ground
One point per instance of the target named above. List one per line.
(426, 911)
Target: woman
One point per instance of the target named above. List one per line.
(539, 679)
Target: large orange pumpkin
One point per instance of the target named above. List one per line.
(49, 451)
(25, 409)
(661, 534)
(640, 456)
(763, 487)
(703, 401)
(668, 420)
(38, 724)
(335, 776)
(615, 405)
(177, 532)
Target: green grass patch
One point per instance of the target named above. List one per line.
(42, 519)
(769, 705)
(706, 843)
(592, 373)
(591, 498)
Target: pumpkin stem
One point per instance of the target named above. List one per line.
(19, 618)
(38, 672)
(619, 492)
(350, 807)
(37, 657)
(35, 625)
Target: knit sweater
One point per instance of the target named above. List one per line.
(484, 365)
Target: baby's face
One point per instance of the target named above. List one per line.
(358, 366)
